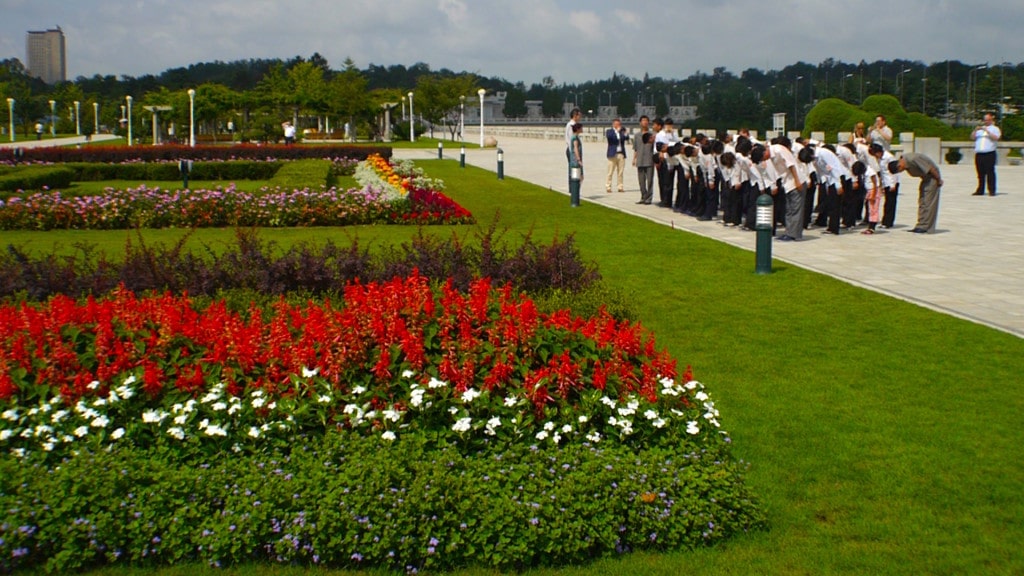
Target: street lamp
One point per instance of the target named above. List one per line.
(412, 125)
(96, 117)
(974, 96)
(10, 116)
(192, 117)
(53, 118)
(924, 93)
(796, 100)
(481, 93)
(78, 119)
(842, 86)
(129, 100)
(901, 79)
(462, 118)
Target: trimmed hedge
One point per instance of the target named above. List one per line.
(113, 154)
(35, 178)
(303, 174)
(232, 170)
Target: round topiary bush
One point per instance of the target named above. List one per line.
(953, 156)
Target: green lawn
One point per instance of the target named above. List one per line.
(884, 438)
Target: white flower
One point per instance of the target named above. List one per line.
(42, 429)
(667, 382)
(19, 452)
(408, 373)
(272, 405)
(510, 402)
(692, 427)
(307, 373)
(542, 435)
(388, 435)
(627, 411)
(469, 395)
(359, 390)
(48, 446)
(462, 424)
(351, 409)
(566, 429)
(131, 379)
(117, 434)
(93, 385)
(659, 423)
(556, 438)
(613, 421)
(701, 396)
(549, 425)
(453, 410)
(324, 399)
(26, 433)
(5, 434)
(417, 397)
(33, 411)
(11, 415)
(215, 430)
(176, 433)
(235, 407)
(258, 402)
(219, 406)
(435, 383)
(153, 416)
(493, 423)
(583, 419)
(633, 405)
(180, 419)
(204, 423)
(691, 384)
(99, 422)
(369, 415)
(81, 431)
(608, 402)
(58, 416)
(392, 415)
(257, 393)
(651, 415)
(594, 437)
(254, 432)
(113, 397)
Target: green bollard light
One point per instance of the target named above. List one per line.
(765, 214)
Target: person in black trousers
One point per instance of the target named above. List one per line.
(985, 138)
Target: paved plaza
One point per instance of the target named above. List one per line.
(972, 267)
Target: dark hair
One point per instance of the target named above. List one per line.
(717, 147)
(646, 138)
(728, 160)
(830, 148)
(894, 167)
(875, 148)
(800, 140)
(669, 121)
(574, 112)
(806, 155)
(577, 127)
(882, 116)
(659, 121)
(705, 148)
(784, 141)
(701, 137)
(757, 154)
(645, 116)
(850, 146)
(858, 168)
(743, 146)
(690, 151)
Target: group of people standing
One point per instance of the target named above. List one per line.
(857, 183)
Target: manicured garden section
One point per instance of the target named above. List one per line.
(884, 437)
(174, 153)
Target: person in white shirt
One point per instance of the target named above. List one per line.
(880, 133)
(874, 193)
(666, 173)
(781, 155)
(985, 138)
(733, 176)
(890, 184)
(289, 133)
(574, 118)
(834, 181)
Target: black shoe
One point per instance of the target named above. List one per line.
(918, 231)
(831, 233)
(704, 219)
(641, 202)
(785, 238)
(991, 193)
(978, 193)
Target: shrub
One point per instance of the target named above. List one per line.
(250, 263)
(121, 154)
(832, 115)
(35, 178)
(155, 171)
(300, 174)
(954, 156)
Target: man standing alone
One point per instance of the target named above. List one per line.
(574, 118)
(985, 138)
(643, 159)
(617, 138)
(923, 167)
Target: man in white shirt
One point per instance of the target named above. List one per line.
(890, 184)
(881, 134)
(781, 156)
(666, 173)
(833, 177)
(985, 138)
(574, 117)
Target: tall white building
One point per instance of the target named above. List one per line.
(45, 55)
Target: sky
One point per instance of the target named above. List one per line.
(518, 40)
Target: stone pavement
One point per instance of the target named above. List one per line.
(972, 267)
(47, 141)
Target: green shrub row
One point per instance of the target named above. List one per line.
(833, 115)
(235, 170)
(35, 178)
(348, 501)
(299, 174)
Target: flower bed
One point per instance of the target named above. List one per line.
(408, 428)
(118, 154)
(228, 206)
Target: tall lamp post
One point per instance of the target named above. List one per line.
(462, 118)
(796, 101)
(412, 121)
(481, 93)
(129, 100)
(924, 93)
(191, 117)
(53, 118)
(901, 79)
(78, 118)
(974, 96)
(96, 117)
(10, 116)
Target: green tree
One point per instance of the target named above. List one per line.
(626, 105)
(308, 88)
(515, 103)
(551, 103)
(346, 94)
(437, 99)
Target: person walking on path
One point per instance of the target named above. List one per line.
(643, 159)
(985, 138)
(575, 165)
(574, 119)
(617, 138)
(923, 167)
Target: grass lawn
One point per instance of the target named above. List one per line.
(883, 438)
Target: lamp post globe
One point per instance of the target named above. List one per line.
(128, 99)
(53, 118)
(96, 117)
(10, 116)
(412, 121)
(191, 117)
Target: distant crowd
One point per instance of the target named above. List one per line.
(852, 185)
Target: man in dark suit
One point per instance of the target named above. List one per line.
(617, 138)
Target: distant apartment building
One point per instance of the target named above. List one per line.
(45, 55)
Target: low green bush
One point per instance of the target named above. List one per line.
(160, 171)
(350, 501)
(300, 174)
(35, 178)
